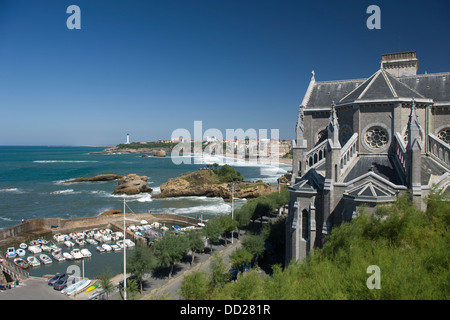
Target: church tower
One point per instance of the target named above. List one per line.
(413, 149)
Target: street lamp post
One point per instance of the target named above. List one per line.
(232, 210)
(124, 255)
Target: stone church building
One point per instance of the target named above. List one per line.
(363, 142)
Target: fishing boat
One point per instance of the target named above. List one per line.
(69, 243)
(33, 261)
(34, 249)
(77, 286)
(76, 254)
(86, 253)
(107, 247)
(21, 263)
(11, 252)
(23, 246)
(45, 259)
(67, 255)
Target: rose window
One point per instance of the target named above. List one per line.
(376, 137)
(444, 135)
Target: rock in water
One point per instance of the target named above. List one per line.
(132, 184)
(159, 153)
(100, 177)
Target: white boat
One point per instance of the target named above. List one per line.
(92, 241)
(106, 238)
(76, 253)
(34, 249)
(58, 237)
(73, 235)
(77, 287)
(86, 253)
(115, 247)
(33, 261)
(45, 259)
(34, 243)
(81, 235)
(100, 249)
(58, 256)
(128, 243)
(21, 252)
(67, 255)
(107, 247)
(11, 252)
(80, 242)
(42, 241)
(69, 243)
(46, 248)
(23, 245)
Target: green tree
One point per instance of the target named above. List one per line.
(219, 272)
(105, 281)
(169, 250)
(140, 262)
(195, 286)
(242, 217)
(227, 225)
(254, 244)
(240, 257)
(213, 230)
(194, 242)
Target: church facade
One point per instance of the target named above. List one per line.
(362, 142)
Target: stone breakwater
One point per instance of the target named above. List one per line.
(43, 227)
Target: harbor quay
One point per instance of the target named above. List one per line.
(13, 276)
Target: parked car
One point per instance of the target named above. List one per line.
(63, 282)
(55, 279)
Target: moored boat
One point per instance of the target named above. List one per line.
(58, 256)
(34, 249)
(107, 247)
(115, 247)
(11, 252)
(45, 259)
(67, 255)
(76, 254)
(69, 243)
(77, 287)
(21, 263)
(100, 249)
(21, 252)
(23, 245)
(33, 261)
(86, 253)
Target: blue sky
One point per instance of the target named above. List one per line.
(150, 67)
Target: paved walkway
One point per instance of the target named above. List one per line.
(33, 289)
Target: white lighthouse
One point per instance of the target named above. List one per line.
(128, 138)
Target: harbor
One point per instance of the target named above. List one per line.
(83, 247)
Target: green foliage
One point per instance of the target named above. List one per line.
(219, 272)
(254, 244)
(213, 230)
(105, 281)
(227, 224)
(169, 250)
(240, 257)
(194, 242)
(227, 173)
(195, 286)
(140, 262)
(409, 246)
(149, 145)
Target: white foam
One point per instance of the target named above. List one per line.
(6, 219)
(15, 190)
(66, 191)
(146, 198)
(215, 209)
(62, 161)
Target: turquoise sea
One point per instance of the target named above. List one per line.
(32, 186)
(32, 183)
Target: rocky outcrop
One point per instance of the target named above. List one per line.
(203, 183)
(110, 213)
(132, 184)
(159, 153)
(129, 150)
(101, 177)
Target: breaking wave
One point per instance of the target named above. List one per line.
(62, 161)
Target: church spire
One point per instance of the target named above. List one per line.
(333, 127)
(413, 127)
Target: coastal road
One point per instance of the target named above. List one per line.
(33, 288)
(172, 288)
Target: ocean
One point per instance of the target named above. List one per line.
(32, 183)
(32, 186)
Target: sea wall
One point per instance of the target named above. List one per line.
(35, 228)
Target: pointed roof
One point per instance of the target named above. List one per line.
(381, 85)
(370, 192)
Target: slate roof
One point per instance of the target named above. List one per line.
(381, 165)
(432, 86)
(370, 192)
(381, 85)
